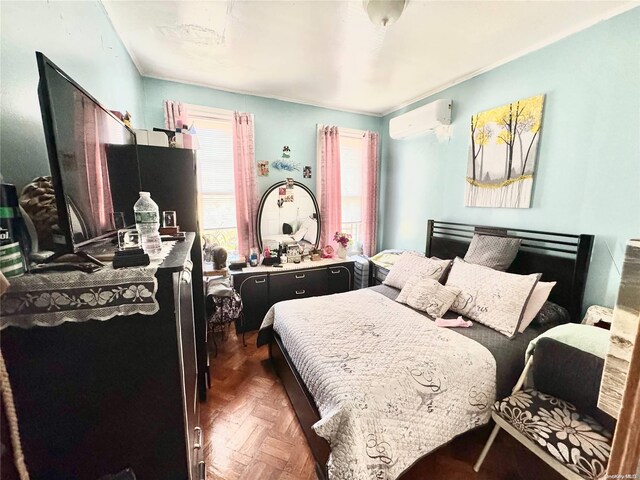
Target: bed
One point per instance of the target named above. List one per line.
(371, 399)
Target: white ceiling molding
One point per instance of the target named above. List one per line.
(272, 97)
(329, 55)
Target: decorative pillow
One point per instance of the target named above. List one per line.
(312, 230)
(492, 251)
(430, 296)
(551, 315)
(563, 431)
(410, 265)
(495, 299)
(406, 290)
(299, 235)
(536, 301)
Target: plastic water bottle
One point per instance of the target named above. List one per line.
(147, 223)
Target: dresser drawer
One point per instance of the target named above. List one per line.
(297, 284)
(254, 291)
(340, 279)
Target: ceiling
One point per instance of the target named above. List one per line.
(328, 53)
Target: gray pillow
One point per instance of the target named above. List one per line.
(493, 252)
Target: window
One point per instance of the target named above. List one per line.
(351, 145)
(216, 175)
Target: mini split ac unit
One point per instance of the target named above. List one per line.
(421, 120)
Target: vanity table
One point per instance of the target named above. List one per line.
(261, 287)
(288, 214)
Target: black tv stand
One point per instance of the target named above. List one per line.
(78, 253)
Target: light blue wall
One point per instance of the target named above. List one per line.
(79, 38)
(588, 171)
(277, 123)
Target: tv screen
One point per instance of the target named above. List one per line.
(96, 184)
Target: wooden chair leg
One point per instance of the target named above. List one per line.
(486, 448)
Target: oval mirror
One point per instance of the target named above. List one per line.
(288, 213)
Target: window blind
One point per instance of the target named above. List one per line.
(351, 183)
(215, 172)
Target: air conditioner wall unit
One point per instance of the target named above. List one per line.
(421, 120)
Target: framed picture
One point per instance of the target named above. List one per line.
(289, 183)
(306, 172)
(502, 154)
(263, 168)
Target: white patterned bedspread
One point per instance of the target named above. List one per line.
(390, 385)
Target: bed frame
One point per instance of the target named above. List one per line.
(560, 257)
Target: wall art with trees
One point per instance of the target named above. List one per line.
(502, 154)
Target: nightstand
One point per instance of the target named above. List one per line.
(378, 274)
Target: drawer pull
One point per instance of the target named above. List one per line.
(300, 276)
(300, 292)
(261, 281)
(198, 441)
(201, 471)
(335, 271)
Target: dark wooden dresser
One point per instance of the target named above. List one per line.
(261, 287)
(96, 397)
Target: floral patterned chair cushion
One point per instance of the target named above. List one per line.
(574, 439)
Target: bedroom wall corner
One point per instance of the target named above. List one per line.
(588, 168)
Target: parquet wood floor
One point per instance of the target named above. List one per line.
(251, 432)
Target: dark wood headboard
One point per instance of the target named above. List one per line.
(559, 257)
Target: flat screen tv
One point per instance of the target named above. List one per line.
(96, 180)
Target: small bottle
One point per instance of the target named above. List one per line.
(253, 257)
(147, 223)
(15, 242)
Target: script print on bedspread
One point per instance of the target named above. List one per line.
(390, 385)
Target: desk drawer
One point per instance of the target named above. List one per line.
(297, 284)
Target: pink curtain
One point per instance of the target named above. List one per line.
(328, 183)
(370, 191)
(175, 115)
(91, 199)
(245, 181)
